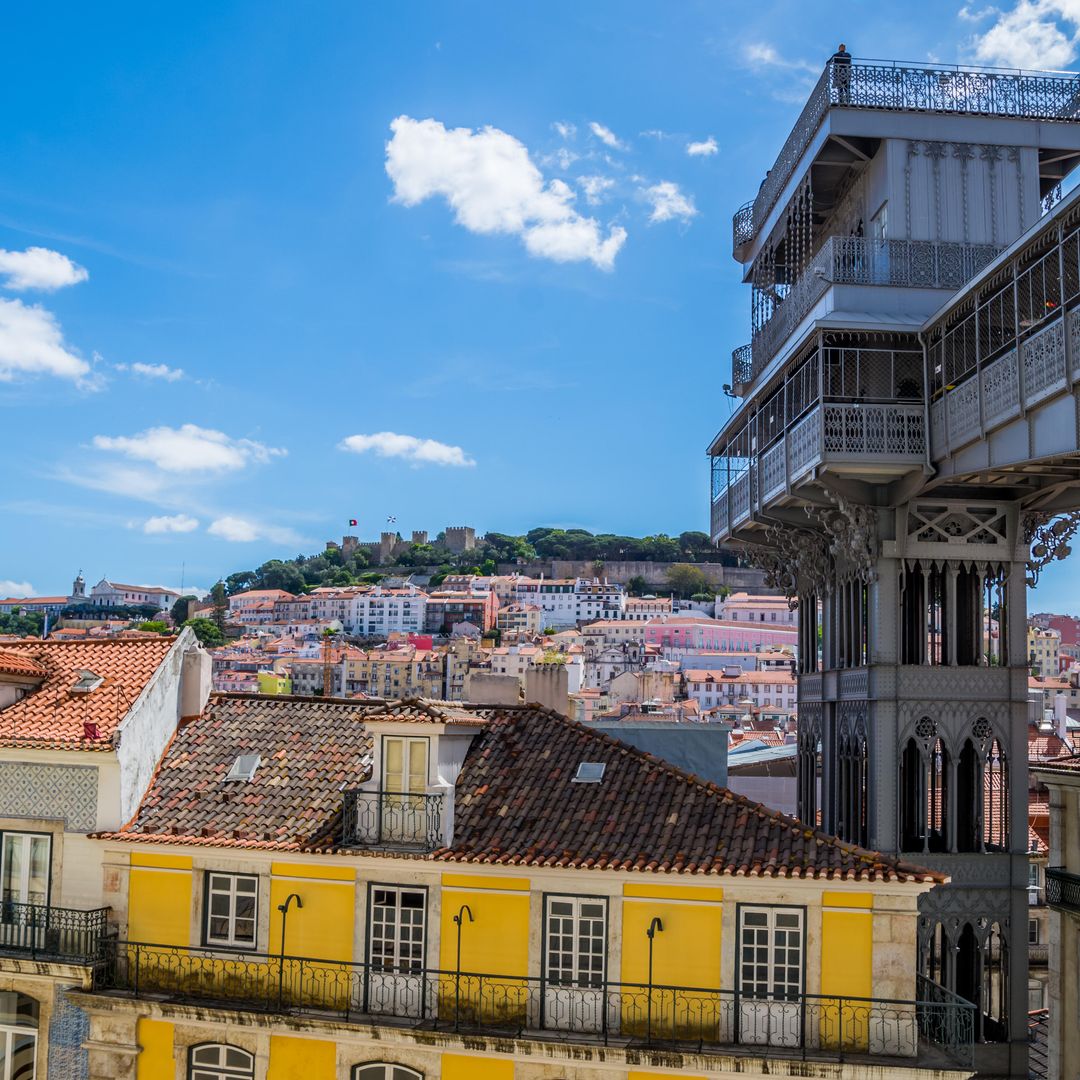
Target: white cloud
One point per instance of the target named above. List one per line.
(39, 268)
(492, 185)
(705, 148)
(175, 523)
(16, 589)
(241, 530)
(153, 371)
(565, 129)
(1034, 34)
(605, 135)
(669, 202)
(32, 343)
(409, 447)
(189, 449)
(595, 188)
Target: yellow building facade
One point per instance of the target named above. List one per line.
(529, 921)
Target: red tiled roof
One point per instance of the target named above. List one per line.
(53, 716)
(515, 804)
(13, 663)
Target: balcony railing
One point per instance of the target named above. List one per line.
(392, 819)
(899, 87)
(858, 260)
(934, 1030)
(40, 932)
(1063, 890)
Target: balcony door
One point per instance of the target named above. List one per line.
(24, 888)
(403, 806)
(397, 928)
(770, 976)
(575, 963)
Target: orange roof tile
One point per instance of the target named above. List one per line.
(13, 663)
(54, 716)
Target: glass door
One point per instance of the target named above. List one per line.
(396, 981)
(770, 976)
(403, 809)
(575, 963)
(24, 889)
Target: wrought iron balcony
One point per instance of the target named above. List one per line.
(897, 87)
(40, 932)
(392, 820)
(937, 1029)
(1063, 890)
(859, 260)
(742, 364)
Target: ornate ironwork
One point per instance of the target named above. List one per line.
(741, 364)
(690, 1019)
(1063, 889)
(852, 534)
(742, 225)
(897, 88)
(793, 560)
(42, 932)
(1049, 538)
(392, 819)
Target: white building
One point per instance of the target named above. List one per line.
(379, 612)
(746, 607)
(113, 594)
(766, 689)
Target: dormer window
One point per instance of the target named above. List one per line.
(243, 768)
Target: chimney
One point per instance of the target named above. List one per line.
(196, 682)
(1060, 717)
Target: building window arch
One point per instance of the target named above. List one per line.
(383, 1070)
(854, 770)
(220, 1061)
(19, 1015)
(925, 782)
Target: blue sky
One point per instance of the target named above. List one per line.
(270, 266)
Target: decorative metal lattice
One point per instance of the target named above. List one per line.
(1049, 538)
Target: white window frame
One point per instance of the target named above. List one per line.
(577, 977)
(390, 1071)
(220, 1069)
(396, 963)
(230, 940)
(772, 931)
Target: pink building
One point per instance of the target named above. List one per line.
(699, 634)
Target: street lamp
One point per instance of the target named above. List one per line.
(284, 909)
(656, 926)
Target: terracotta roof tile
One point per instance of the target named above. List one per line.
(54, 716)
(516, 802)
(13, 663)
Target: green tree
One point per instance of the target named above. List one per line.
(179, 611)
(637, 586)
(22, 624)
(221, 608)
(235, 583)
(685, 579)
(154, 626)
(207, 631)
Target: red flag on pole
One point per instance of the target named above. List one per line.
(352, 522)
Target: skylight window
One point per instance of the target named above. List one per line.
(86, 681)
(243, 768)
(590, 772)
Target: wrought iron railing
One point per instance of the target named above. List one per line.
(859, 260)
(742, 364)
(639, 1014)
(43, 932)
(1062, 889)
(742, 225)
(901, 87)
(392, 819)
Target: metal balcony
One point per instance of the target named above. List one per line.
(896, 87)
(40, 932)
(389, 819)
(936, 1030)
(1063, 890)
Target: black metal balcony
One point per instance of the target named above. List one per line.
(68, 935)
(392, 819)
(937, 1030)
(1063, 890)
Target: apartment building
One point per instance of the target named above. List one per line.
(730, 686)
(1044, 649)
(404, 672)
(408, 891)
(746, 607)
(522, 619)
(380, 612)
(646, 608)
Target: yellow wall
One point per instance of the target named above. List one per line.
(155, 1040)
(301, 1059)
(661, 1076)
(687, 951)
(460, 1067)
(159, 899)
(497, 941)
(324, 927)
(847, 944)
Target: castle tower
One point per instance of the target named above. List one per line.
(78, 589)
(907, 406)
